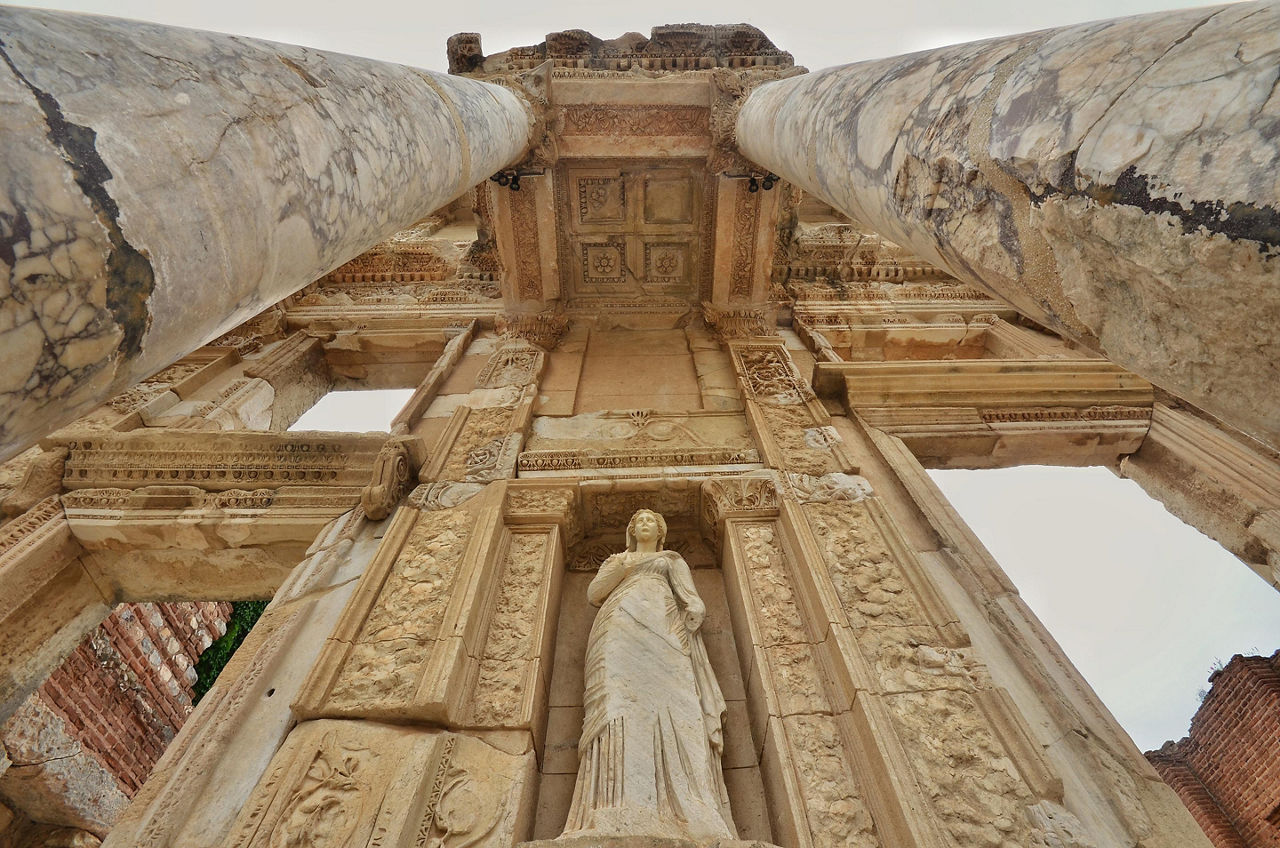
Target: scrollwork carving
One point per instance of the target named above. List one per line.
(543, 329)
(770, 376)
(515, 363)
(393, 469)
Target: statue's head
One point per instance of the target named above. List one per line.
(635, 519)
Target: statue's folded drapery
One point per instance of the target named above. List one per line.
(649, 756)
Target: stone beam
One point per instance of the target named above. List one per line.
(1116, 181)
(159, 186)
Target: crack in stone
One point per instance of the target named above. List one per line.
(1070, 170)
(132, 277)
(1237, 221)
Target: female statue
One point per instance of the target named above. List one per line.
(649, 756)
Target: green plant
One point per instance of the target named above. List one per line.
(244, 614)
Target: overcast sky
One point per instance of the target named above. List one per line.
(1142, 604)
(819, 34)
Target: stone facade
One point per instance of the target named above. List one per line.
(1227, 769)
(87, 739)
(633, 315)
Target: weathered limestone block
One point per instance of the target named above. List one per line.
(1215, 481)
(789, 423)
(52, 778)
(996, 412)
(50, 601)
(157, 542)
(351, 783)
(515, 668)
(296, 368)
(1115, 181)
(121, 139)
(409, 643)
(206, 775)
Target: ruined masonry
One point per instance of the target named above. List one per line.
(673, 273)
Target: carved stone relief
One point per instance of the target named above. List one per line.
(510, 689)
(516, 363)
(395, 469)
(653, 733)
(383, 667)
(344, 784)
(592, 119)
(543, 329)
(222, 460)
(806, 757)
(769, 375)
(631, 229)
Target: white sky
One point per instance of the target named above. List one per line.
(1143, 605)
(354, 412)
(819, 34)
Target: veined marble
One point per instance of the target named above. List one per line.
(161, 185)
(1116, 180)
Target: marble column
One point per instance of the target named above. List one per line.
(1118, 181)
(159, 186)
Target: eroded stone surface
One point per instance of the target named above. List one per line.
(123, 139)
(1115, 181)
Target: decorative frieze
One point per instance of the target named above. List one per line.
(609, 120)
(514, 363)
(511, 689)
(543, 329)
(219, 460)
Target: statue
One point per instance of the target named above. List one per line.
(652, 735)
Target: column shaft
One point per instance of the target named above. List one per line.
(158, 186)
(1116, 181)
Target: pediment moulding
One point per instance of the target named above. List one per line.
(217, 461)
(673, 47)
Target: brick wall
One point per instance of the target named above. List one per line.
(126, 690)
(1227, 769)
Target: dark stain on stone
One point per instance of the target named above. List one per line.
(131, 275)
(1237, 221)
(15, 229)
(302, 72)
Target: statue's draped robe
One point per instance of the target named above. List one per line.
(649, 757)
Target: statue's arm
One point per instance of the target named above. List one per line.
(611, 572)
(686, 593)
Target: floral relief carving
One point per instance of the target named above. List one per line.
(788, 425)
(770, 376)
(387, 657)
(528, 253)
(836, 815)
(515, 363)
(826, 488)
(746, 216)
(504, 668)
(368, 785)
(477, 453)
(771, 589)
(325, 808)
(962, 768)
(595, 119)
(867, 579)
